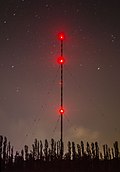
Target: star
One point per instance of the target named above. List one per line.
(46, 5)
(113, 37)
(12, 66)
(4, 21)
(81, 65)
(18, 89)
(7, 39)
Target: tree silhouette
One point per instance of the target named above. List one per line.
(96, 150)
(58, 149)
(116, 149)
(4, 150)
(41, 150)
(82, 148)
(26, 152)
(53, 150)
(93, 150)
(88, 150)
(106, 151)
(47, 157)
(1, 144)
(35, 150)
(73, 151)
(79, 151)
(46, 150)
(69, 150)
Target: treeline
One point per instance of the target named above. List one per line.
(45, 156)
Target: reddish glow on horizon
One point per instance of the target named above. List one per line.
(61, 111)
(61, 36)
(61, 60)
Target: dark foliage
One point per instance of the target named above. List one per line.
(46, 157)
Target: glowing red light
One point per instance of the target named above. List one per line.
(61, 60)
(61, 111)
(61, 36)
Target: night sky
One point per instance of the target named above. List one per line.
(30, 74)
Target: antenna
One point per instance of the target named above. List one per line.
(61, 61)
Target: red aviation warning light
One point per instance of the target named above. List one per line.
(61, 60)
(61, 36)
(61, 111)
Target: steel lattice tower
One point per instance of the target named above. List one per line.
(61, 61)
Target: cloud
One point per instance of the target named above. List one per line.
(82, 133)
